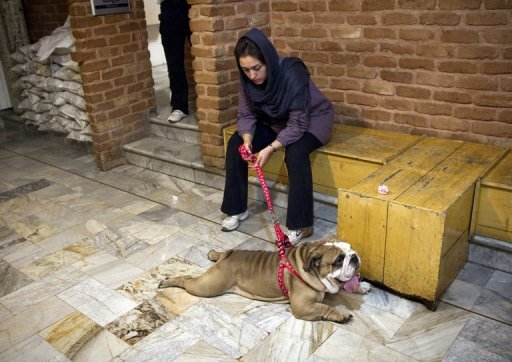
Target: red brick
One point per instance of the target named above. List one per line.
(378, 87)
(415, 120)
(313, 5)
(433, 108)
(495, 67)
(397, 48)
(362, 99)
(457, 67)
(345, 59)
(495, 129)
(376, 5)
(314, 32)
(379, 33)
(415, 34)
(331, 70)
(361, 19)
(487, 19)
(501, 36)
(436, 50)
(379, 61)
(345, 84)
(284, 5)
(397, 76)
(399, 19)
(506, 85)
(435, 79)
(507, 53)
(472, 112)
(344, 5)
(396, 103)
(498, 4)
(459, 36)
(366, 73)
(494, 100)
(440, 18)
(417, 4)
(505, 116)
(459, 4)
(476, 82)
(452, 97)
(412, 92)
(477, 52)
(415, 63)
(346, 33)
(376, 115)
(361, 46)
(450, 124)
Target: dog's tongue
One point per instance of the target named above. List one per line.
(352, 284)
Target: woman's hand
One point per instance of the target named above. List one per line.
(264, 156)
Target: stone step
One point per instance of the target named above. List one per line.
(492, 253)
(183, 159)
(186, 130)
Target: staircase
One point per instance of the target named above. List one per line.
(173, 149)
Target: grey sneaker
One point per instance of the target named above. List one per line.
(295, 236)
(231, 222)
(176, 116)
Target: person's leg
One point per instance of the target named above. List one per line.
(235, 191)
(300, 179)
(173, 42)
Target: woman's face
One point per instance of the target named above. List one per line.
(255, 70)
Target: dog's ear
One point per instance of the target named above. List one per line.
(312, 259)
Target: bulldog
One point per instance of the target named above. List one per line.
(323, 266)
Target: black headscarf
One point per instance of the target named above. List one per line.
(287, 80)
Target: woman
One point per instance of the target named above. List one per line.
(279, 107)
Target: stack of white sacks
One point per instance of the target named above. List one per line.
(52, 96)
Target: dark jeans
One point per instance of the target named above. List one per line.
(300, 179)
(175, 29)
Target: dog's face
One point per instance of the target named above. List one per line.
(333, 261)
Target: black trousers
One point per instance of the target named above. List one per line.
(298, 165)
(175, 29)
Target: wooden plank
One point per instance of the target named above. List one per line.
(452, 263)
(412, 258)
(458, 219)
(501, 174)
(441, 187)
(494, 218)
(368, 144)
(407, 168)
(362, 222)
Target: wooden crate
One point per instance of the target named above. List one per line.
(363, 213)
(493, 202)
(352, 154)
(415, 239)
(428, 225)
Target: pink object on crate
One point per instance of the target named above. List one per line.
(382, 190)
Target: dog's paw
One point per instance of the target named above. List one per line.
(364, 288)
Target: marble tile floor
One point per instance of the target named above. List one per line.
(82, 252)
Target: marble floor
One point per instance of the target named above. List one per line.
(82, 252)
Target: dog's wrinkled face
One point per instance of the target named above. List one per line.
(334, 262)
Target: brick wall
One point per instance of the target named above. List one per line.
(216, 27)
(44, 16)
(112, 52)
(435, 67)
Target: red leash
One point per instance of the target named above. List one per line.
(282, 238)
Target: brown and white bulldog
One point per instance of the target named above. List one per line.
(324, 267)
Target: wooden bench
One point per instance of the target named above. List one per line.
(414, 240)
(493, 202)
(352, 154)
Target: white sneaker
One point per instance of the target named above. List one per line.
(295, 236)
(176, 116)
(230, 223)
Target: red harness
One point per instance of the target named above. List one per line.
(282, 238)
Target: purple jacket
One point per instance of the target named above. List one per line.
(320, 121)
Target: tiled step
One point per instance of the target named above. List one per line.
(182, 159)
(185, 130)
